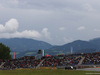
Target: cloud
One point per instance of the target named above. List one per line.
(88, 7)
(1, 28)
(62, 28)
(24, 34)
(56, 15)
(67, 40)
(10, 27)
(81, 28)
(14, 2)
(28, 34)
(10, 30)
(97, 30)
(10, 3)
(45, 33)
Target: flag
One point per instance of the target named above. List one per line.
(71, 50)
(13, 55)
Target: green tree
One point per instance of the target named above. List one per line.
(4, 52)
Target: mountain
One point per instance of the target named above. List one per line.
(23, 44)
(96, 41)
(77, 46)
(29, 47)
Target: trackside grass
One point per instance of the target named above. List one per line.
(45, 72)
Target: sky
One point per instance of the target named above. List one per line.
(54, 21)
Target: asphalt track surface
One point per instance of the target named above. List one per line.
(90, 69)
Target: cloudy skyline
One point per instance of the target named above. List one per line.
(54, 21)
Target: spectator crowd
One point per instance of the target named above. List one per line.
(51, 61)
(92, 58)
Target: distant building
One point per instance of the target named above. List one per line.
(40, 54)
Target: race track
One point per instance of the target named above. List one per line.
(90, 69)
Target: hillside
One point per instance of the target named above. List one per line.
(29, 47)
(23, 44)
(78, 46)
(96, 41)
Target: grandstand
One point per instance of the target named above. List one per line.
(57, 61)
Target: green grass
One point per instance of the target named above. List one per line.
(44, 72)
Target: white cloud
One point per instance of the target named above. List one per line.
(45, 33)
(81, 28)
(62, 28)
(24, 34)
(2, 28)
(10, 26)
(10, 30)
(28, 34)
